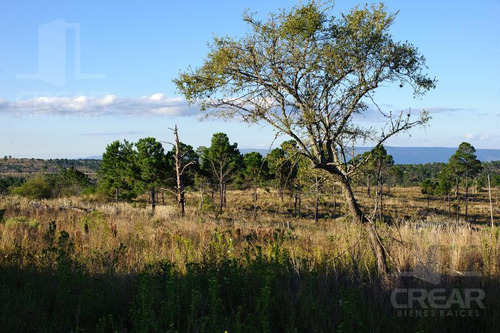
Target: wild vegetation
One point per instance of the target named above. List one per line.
(114, 267)
(282, 255)
(309, 238)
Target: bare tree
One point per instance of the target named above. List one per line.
(181, 165)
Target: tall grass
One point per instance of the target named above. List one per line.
(117, 268)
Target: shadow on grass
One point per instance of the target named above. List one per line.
(262, 294)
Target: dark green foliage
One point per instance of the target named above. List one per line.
(150, 166)
(376, 168)
(495, 180)
(221, 158)
(429, 187)
(414, 174)
(255, 169)
(70, 182)
(445, 183)
(380, 160)
(283, 165)
(220, 163)
(116, 174)
(6, 183)
(464, 162)
(130, 169)
(463, 166)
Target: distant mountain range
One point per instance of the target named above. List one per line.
(403, 155)
(93, 157)
(418, 155)
(413, 155)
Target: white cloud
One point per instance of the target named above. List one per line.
(83, 106)
(372, 114)
(157, 97)
(113, 134)
(441, 109)
(478, 137)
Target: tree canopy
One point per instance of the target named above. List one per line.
(220, 161)
(464, 162)
(116, 171)
(307, 73)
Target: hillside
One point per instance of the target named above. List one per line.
(14, 166)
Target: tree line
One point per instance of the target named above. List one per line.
(129, 170)
(463, 172)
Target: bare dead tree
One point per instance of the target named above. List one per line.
(181, 164)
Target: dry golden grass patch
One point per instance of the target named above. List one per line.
(98, 229)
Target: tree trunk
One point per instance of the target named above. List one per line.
(316, 210)
(116, 194)
(221, 194)
(316, 203)
(368, 185)
(225, 194)
(181, 200)
(491, 204)
(202, 197)
(255, 188)
(457, 202)
(178, 173)
(295, 205)
(153, 200)
(334, 199)
(375, 242)
(381, 201)
(449, 205)
(466, 198)
(299, 205)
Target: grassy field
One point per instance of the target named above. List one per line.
(82, 265)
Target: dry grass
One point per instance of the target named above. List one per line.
(421, 239)
(114, 267)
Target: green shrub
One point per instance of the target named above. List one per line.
(37, 187)
(23, 220)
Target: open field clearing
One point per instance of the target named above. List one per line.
(77, 263)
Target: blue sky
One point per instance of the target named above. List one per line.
(102, 70)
